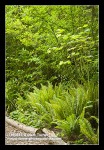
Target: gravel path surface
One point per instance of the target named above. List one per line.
(14, 136)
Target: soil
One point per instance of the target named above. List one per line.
(14, 136)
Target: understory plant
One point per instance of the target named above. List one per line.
(87, 130)
(56, 106)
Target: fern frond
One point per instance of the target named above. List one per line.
(97, 120)
(87, 130)
(67, 125)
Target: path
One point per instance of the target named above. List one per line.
(14, 136)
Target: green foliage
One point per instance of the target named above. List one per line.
(13, 90)
(45, 46)
(52, 67)
(11, 95)
(47, 106)
(68, 126)
(87, 130)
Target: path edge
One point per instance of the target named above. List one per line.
(32, 130)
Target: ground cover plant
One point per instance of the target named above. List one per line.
(52, 69)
